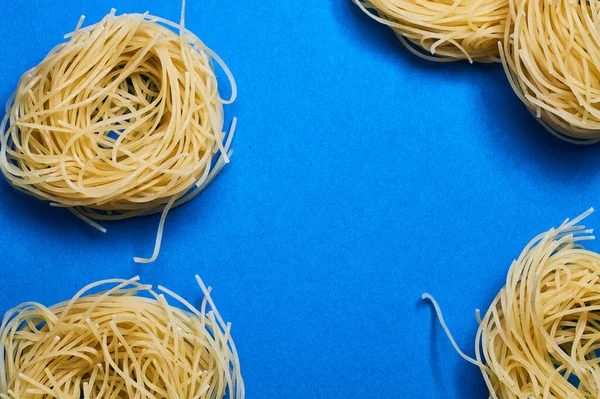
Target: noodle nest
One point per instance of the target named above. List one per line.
(124, 119)
(552, 59)
(447, 30)
(123, 342)
(541, 335)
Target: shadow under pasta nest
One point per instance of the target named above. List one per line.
(139, 232)
(33, 211)
(523, 140)
(469, 382)
(377, 38)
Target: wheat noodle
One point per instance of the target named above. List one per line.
(124, 119)
(447, 30)
(125, 341)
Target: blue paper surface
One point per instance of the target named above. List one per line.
(362, 177)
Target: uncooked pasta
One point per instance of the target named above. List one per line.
(124, 119)
(447, 30)
(551, 55)
(119, 339)
(541, 335)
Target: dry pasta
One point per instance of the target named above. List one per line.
(551, 55)
(447, 30)
(541, 335)
(126, 341)
(124, 119)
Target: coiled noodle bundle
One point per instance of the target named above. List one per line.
(541, 335)
(123, 342)
(447, 30)
(552, 59)
(124, 119)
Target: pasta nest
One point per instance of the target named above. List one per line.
(122, 342)
(540, 337)
(124, 119)
(552, 59)
(446, 30)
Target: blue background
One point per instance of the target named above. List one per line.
(362, 177)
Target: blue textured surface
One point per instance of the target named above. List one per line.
(362, 176)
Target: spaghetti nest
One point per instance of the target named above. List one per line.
(552, 59)
(447, 30)
(122, 120)
(541, 334)
(124, 342)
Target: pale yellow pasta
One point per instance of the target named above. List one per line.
(446, 30)
(541, 334)
(122, 342)
(551, 55)
(124, 119)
